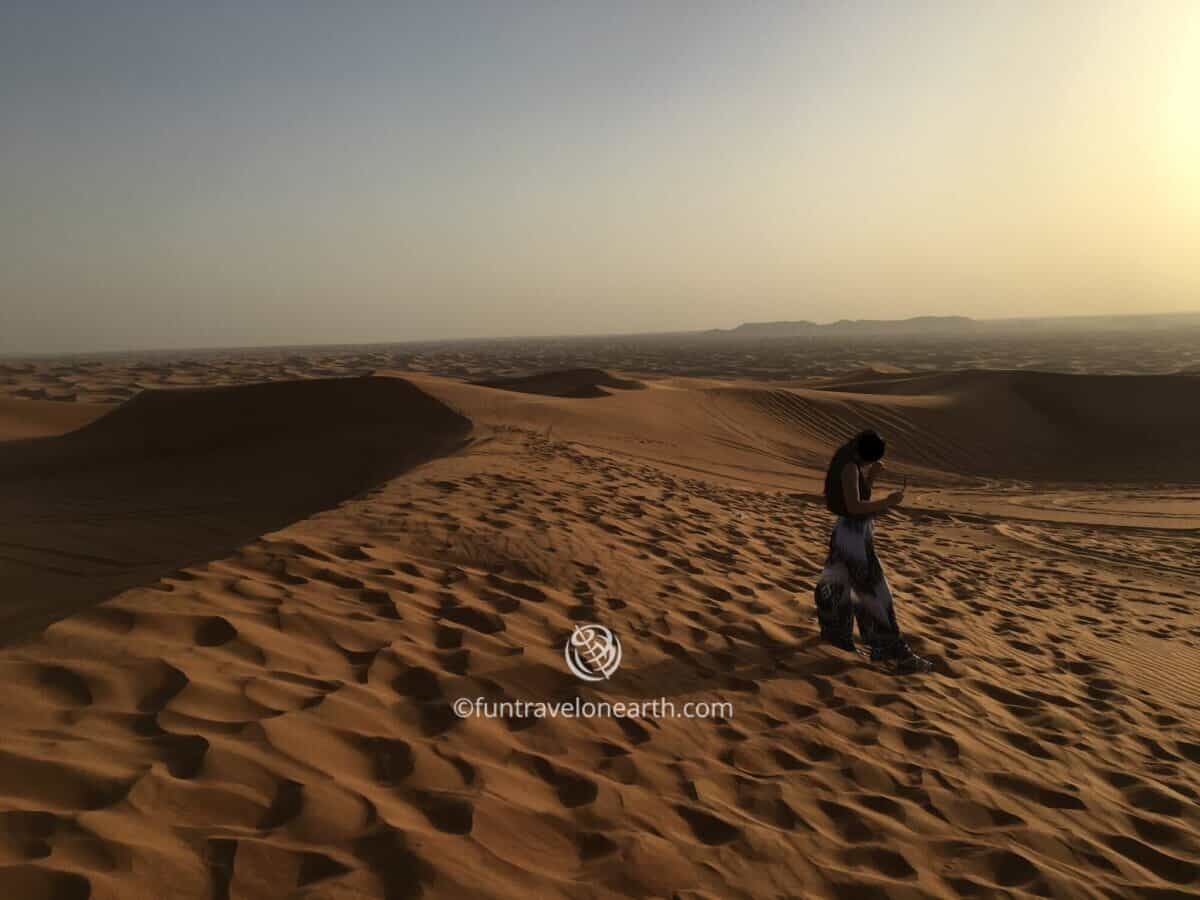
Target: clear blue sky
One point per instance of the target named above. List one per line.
(185, 174)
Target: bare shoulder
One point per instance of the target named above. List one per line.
(850, 476)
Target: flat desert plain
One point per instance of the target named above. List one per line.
(242, 591)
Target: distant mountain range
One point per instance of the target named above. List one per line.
(919, 324)
(953, 325)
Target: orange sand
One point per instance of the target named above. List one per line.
(263, 707)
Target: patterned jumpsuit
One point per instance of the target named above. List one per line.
(852, 586)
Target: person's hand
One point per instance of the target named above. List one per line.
(894, 499)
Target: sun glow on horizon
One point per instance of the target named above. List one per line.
(1181, 105)
(185, 176)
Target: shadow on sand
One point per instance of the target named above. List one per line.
(174, 477)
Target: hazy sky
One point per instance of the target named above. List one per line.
(231, 173)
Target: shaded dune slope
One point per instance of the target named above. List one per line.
(564, 383)
(172, 477)
(162, 423)
(1025, 425)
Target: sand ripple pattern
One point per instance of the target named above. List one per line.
(277, 723)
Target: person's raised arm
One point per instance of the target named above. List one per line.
(871, 472)
(855, 505)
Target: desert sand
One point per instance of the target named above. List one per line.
(236, 617)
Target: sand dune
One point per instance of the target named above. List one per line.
(1026, 425)
(564, 383)
(276, 721)
(172, 477)
(43, 418)
(163, 423)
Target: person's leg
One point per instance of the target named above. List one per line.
(876, 614)
(835, 606)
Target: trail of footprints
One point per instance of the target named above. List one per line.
(279, 723)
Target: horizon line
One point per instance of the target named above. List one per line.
(209, 348)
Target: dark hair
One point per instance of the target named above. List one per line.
(866, 445)
(869, 445)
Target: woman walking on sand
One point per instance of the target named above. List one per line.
(852, 584)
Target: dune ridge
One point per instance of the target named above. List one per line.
(21, 419)
(1017, 425)
(161, 423)
(564, 383)
(172, 477)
